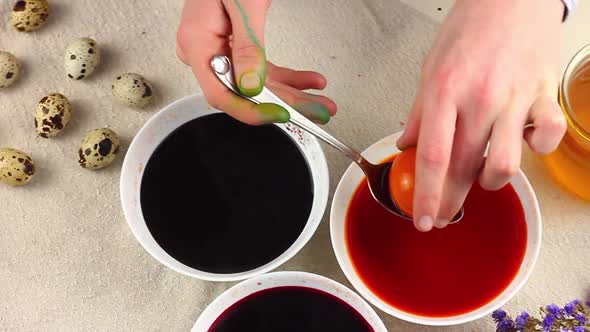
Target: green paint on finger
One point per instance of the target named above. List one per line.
(316, 112)
(272, 113)
(247, 25)
(251, 83)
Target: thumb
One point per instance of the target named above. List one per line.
(248, 54)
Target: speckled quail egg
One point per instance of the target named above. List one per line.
(132, 90)
(99, 148)
(52, 115)
(29, 15)
(9, 69)
(81, 58)
(16, 167)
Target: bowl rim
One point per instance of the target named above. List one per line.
(534, 239)
(179, 112)
(281, 279)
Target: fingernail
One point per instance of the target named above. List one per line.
(316, 112)
(425, 224)
(441, 223)
(250, 84)
(272, 113)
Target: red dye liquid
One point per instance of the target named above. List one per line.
(444, 272)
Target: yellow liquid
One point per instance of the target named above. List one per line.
(579, 94)
(570, 163)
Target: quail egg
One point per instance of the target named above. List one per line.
(9, 69)
(132, 90)
(98, 149)
(81, 58)
(16, 167)
(52, 115)
(29, 15)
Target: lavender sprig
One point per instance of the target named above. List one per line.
(573, 317)
(570, 308)
(521, 321)
(549, 322)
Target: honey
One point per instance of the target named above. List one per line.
(570, 163)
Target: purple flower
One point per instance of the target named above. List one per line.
(579, 329)
(553, 309)
(499, 315)
(571, 307)
(505, 325)
(582, 319)
(548, 322)
(521, 320)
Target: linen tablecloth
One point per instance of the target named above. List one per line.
(69, 262)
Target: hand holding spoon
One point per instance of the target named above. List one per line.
(377, 175)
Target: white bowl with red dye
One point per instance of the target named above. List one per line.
(347, 186)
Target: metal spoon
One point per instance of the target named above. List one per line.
(377, 175)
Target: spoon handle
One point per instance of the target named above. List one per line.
(222, 68)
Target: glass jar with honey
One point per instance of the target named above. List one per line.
(570, 163)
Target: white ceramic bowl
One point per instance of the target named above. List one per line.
(155, 131)
(279, 279)
(347, 186)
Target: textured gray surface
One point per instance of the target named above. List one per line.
(68, 261)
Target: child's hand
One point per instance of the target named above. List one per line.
(492, 69)
(236, 28)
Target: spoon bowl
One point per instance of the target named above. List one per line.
(378, 181)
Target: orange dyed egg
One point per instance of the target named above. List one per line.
(401, 180)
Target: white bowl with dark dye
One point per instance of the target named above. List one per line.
(156, 130)
(286, 279)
